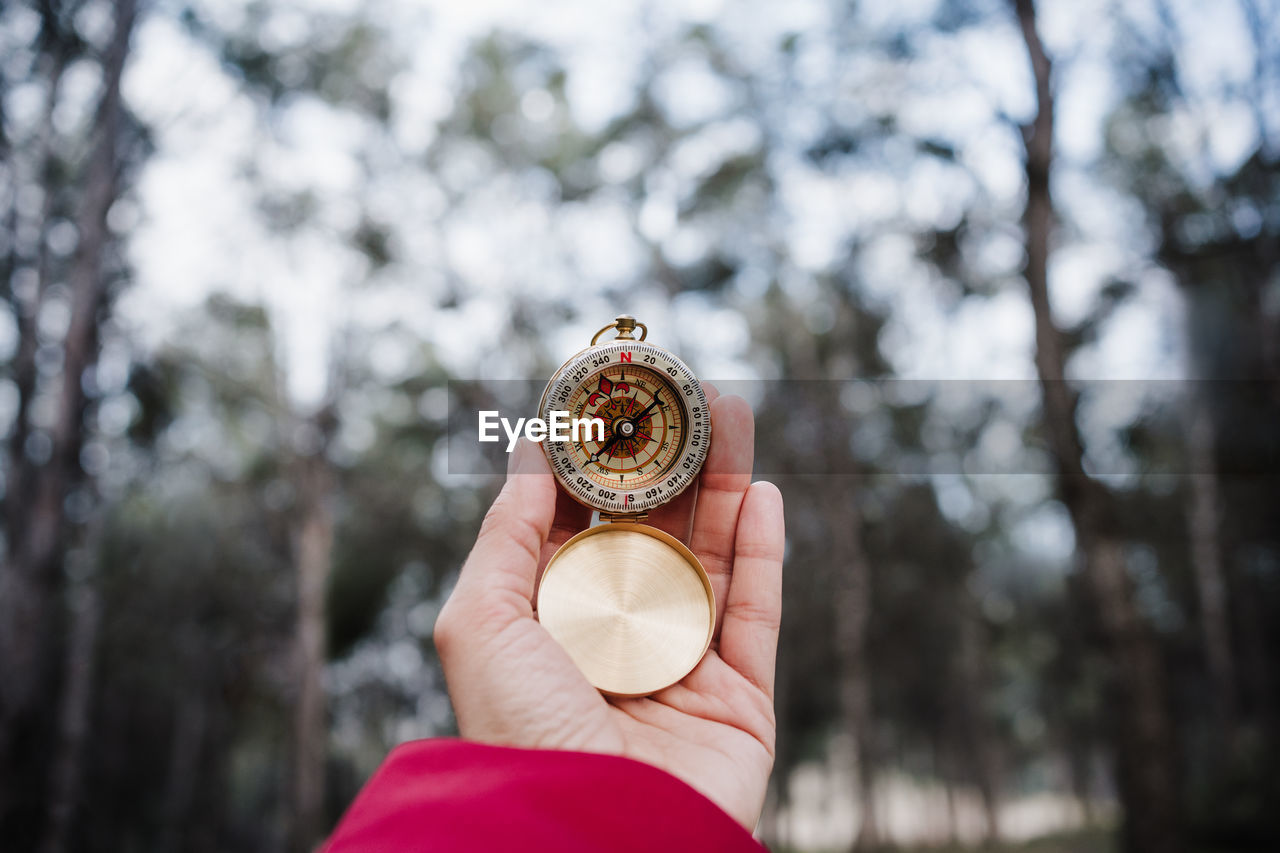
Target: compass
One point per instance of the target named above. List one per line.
(630, 603)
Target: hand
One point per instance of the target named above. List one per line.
(512, 684)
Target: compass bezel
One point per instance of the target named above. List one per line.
(581, 369)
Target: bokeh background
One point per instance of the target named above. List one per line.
(246, 246)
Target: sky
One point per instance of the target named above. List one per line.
(197, 230)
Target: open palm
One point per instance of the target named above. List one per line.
(512, 684)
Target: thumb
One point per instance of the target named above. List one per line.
(503, 566)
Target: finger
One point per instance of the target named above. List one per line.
(504, 562)
(676, 516)
(725, 478)
(753, 608)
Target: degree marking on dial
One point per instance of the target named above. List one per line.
(657, 447)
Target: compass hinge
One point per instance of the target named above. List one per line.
(633, 517)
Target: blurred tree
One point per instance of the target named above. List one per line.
(345, 64)
(312, 539)
(78, 180)
(818, 362)
(1142, 738)
(1213, 227)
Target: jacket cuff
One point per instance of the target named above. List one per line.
(453, 795)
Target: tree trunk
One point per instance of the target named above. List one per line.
(1142, 735)
(977, 742)
(943, 769)
(313, 543)
(19, 592)
(31, 583)
(186, 746)
(1079, 761)
(27, 310)
(852, 601)
(1203, 525)
(1141, 729)
(73, 723)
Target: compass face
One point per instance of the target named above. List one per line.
(657, 426)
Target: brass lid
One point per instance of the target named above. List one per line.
(631, 605)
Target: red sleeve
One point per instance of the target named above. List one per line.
(450, 795)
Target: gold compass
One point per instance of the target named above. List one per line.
(630, 603)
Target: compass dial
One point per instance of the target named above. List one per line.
(657, 426)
